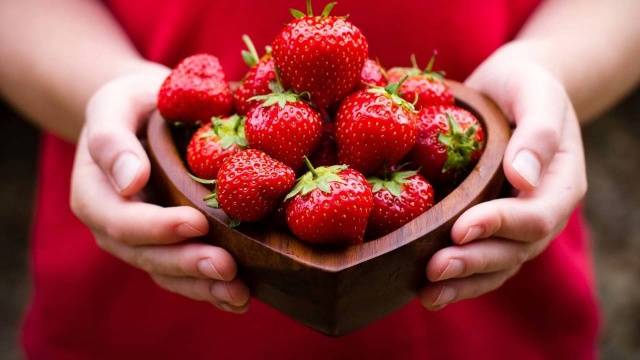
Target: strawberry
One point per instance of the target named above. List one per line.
(251, 184)
(285, 127)
(212, 143)
(427, 85)
(258, 79)
(326, 154)
(374, 128)
(397, 199)
(329, 205)
(195, 91)
(450, 141)
(372, 74)
(322, 55)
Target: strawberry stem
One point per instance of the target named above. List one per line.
(310, 167)
(309, 8)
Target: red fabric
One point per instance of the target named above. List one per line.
(88, 305)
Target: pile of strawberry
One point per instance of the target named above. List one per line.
(380, 140)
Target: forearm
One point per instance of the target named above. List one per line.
(55, 55)
(592, 47)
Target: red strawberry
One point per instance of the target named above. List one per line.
(195, 91)
(214, 142)
(428, 85)
(326, 154)
(284, 127)
(372, 74)
(450, 141)
(251, 184)
(322, 55)
(374, 128)
(397, 200)
(330, 205)
(258, 79)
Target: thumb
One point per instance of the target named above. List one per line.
(539, 111)
(113, 116)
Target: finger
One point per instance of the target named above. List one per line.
(231, 297)
(539, 114)
(486, 256)
(183, 260)
(436, 296)
(126, 220)
(113, 116)
(537, 214)
(521, 219)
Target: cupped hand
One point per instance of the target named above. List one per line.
(543, 161)
(110, 171)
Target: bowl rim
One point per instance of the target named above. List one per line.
(162, 148)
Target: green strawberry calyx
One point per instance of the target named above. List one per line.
(394, 183)
(460, 144)
(317, 178)
(278, 95)
(230, 131)
(391, 92)
(325, 12)
(279, 98)
(250, 55)
(211, 200)
(428, 71)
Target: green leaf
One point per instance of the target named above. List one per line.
(328, 8)
(394, 187)
(230, 131)
(297, 13)
(201, 180)
(211, 200)
(323, 177)
(401, 176)
(250, 57)
(233, 223)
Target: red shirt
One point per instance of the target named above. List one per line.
(88, 305)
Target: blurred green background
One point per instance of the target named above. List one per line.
(612, 146)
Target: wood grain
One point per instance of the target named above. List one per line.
(338, 290)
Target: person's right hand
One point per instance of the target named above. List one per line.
(110, 171)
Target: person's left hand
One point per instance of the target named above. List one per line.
(544, 161)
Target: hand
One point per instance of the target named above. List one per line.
(110, 170)
(544, 161)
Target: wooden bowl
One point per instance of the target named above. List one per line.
(337, 291)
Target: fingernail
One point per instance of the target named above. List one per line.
(447, 295)
(125, 169)
(220, 291)
(188, 231)
(528, 166)
(226, 307)
(473, 233)
(453, 269)
(208, 269)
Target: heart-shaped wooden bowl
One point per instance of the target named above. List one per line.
(336, 291)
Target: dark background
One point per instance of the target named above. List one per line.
(612, 207)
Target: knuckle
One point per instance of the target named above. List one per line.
(542, 225)
(113, 231)
(144, 262)
(549, 135)
(99, 138)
